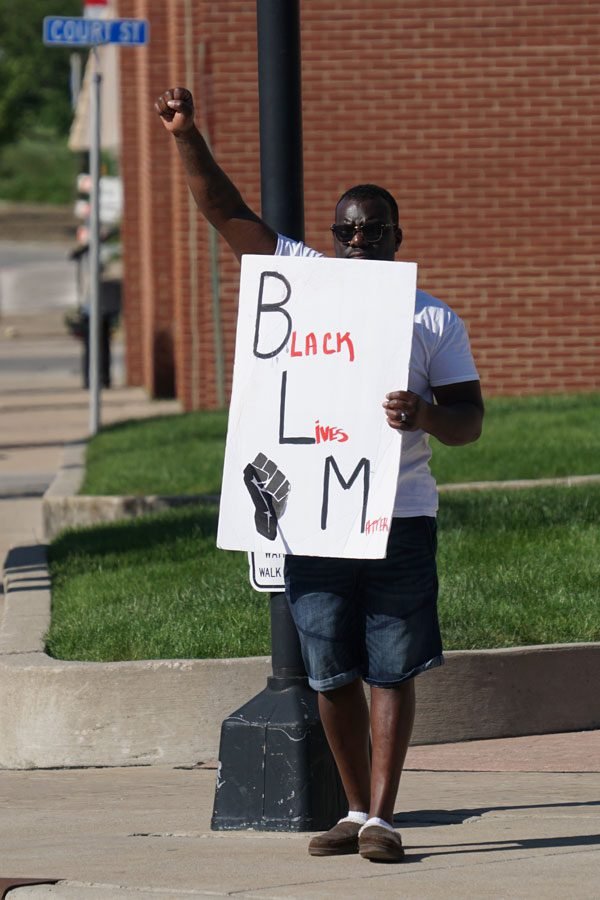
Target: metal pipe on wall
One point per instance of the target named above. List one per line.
(192, 231)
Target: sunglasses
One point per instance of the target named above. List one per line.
(372, 232)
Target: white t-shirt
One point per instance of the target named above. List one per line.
(440, 355)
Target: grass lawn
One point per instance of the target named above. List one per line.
(153, 588)
(520, 567)
(524, 437)
(180, 454)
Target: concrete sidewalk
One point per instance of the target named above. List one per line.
(498, 819)
(42, 406)
(511, 823)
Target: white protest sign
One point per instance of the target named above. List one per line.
(310, 461)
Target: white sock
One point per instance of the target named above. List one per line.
(375, 821)
(355, 815)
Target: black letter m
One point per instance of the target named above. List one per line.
(363, 464)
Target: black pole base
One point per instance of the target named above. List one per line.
(276, 772)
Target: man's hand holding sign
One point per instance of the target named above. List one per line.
(313, 465)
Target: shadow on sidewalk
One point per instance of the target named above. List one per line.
(7, 884)
(24, 495)
(583, 840)
(31, 445)
(24, 559)
(423, 817)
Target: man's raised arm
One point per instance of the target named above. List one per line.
(216, 196)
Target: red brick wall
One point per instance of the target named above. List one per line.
(479, 115)
(148, 300)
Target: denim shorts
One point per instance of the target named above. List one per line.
(374, 619)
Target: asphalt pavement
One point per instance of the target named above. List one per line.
(510, 818)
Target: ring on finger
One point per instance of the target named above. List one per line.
(403, 417)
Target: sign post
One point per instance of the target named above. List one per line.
(60, 31)
(94, 253)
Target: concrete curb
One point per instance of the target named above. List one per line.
(60, 513)
(75, 890)
(57, 714)
(520, 484)
(69, 477)
(63, 508)
(60, 714)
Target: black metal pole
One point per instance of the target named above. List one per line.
(286, 657)
(276, 772)
(282, 200)
(280, 111)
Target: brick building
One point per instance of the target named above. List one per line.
(481, 117)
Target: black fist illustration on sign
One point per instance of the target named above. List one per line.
(269, 489)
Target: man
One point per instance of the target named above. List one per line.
(363, 620)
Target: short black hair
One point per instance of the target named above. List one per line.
(369, 192)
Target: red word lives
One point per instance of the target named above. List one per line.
(329, 433)
(330, 343)
(374, 525)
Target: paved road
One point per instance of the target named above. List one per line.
(35, 277)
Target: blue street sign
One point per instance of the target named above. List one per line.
(82, 32)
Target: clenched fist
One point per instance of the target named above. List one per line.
(176, 110)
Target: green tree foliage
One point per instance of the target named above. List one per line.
(38, 170)
(34, 78)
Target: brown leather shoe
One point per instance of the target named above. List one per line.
(380, 844)
(342, 838)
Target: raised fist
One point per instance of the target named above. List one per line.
(176, 110)
(269, 489)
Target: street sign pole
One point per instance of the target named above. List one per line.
(60, 31)
(94, 252)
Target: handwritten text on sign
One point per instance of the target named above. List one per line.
(311, 463)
